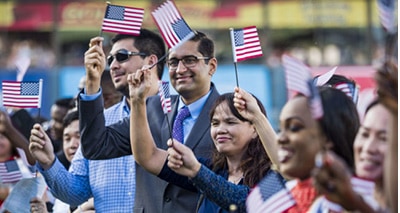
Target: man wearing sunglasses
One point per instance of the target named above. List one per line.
(191, 67)
(111, 182)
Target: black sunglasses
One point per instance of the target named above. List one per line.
(122, 56)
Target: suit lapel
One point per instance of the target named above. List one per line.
(200, 129)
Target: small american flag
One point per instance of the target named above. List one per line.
(10, 172)
(172, 26)
(297, 75)
(363, 187)
(347, 88)
(124, 20)
(22, 94)
(386, 10)
(270, 195)
(165, 98)
(298, 79)
(245, 43)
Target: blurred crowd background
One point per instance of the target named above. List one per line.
(322, 33)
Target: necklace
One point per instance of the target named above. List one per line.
(236, 180)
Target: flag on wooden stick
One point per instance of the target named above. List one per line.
(245, 43)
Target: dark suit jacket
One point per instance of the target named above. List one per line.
(153, 195)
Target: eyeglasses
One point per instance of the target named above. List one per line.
(189, 61)
(122, 56)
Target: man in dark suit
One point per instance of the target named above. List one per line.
(191, 67)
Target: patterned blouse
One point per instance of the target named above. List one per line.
(216, 192)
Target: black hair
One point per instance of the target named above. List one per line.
(67, 103)
(340, 122)
(206, 45)
(336, 79)
(69, 117)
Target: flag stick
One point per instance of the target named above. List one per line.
(234, 54)
(169, 127)
(159, 60)
(236, 73)
(40, 96)
(38, 114)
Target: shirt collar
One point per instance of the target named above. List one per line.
(195, 107)
(124, 106)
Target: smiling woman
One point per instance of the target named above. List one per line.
(370, 146)
(300, 138)
(370, 149)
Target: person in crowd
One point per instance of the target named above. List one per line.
(191, 67)
(238, 161)
(370, 148)
(54, 127)
(15, 160)
(111, 96)
(111, 182)
(372, 152)
(300, 138)
(45, 153)
(82, 83)
(22, 120)
(387, 88)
